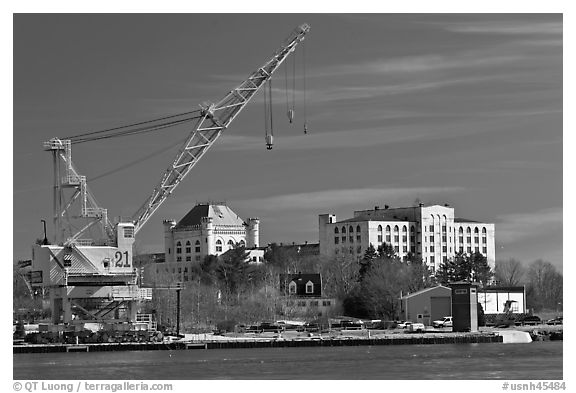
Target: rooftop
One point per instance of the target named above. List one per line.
(220, 214)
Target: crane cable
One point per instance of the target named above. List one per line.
(268, 122)
(88, 136)
(304, 85)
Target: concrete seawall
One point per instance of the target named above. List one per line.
(272, 343)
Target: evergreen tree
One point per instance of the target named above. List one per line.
(481, 271)
(386, 250)
(366, 262)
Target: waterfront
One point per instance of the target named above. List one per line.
(538, 360)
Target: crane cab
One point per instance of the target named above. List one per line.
(291, 115)
(269, 142)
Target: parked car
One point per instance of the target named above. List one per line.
(417, 327)
(403, 324)
(529, 320)
(444, 322)
(555, 321)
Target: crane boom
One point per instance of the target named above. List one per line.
(215, 119)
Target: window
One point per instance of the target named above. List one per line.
(444, 259)
(444, 238)
(242, 243)
(336, 230)
(461, 239)
(359, 250)
(314, 303)
(350, 229)
(128, 232)
(358, 238)
(468, 230)
(443, 228)
(432, 259)
(230, 244)
(431, 238)
(444, 249)
(469, 249)
(395, 228)
(404, 248)
(178, 259)
(379, 238)
(351, 250)
(484, 240)
(387, 228)
(468, 239)
(197, 258)
(178, 248)
(460, 230)
(351, 239)
(188, 247)
(412, 249)
(476, 239)
(379, 228)
(404, 228)
(475, 230)
(343, 229)
(404, 238)
(431, 248)
(343, 239)
(483, 250)
(388, 238)
(412, 239)
(483, 231)
(218, 245)
(254, 259)
(326, 303)
(396, 248)
(431, 228)
(292, 287)
(396, 238)
(188, 258)
(476, 249)
(461, 249)
(336, 240)
(309, 287)
(197, 249)
(358, 228)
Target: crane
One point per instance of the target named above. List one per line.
(95, 274)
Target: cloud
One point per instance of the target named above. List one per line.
(417, 64)
(506, 27)
(513, 227)
(332, 199)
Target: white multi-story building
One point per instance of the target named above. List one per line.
(429, 232)
(207, 229)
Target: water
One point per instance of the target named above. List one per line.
(538, 360)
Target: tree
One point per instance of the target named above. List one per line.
(544, 286)
(386, 250)
(366, 262)
(509, 272)
(231, 272)
(480, 270)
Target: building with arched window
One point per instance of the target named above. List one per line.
(432, 233)
(207, 229)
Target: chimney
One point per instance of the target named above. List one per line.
(420, 204)
(386, 206)
(376, 207)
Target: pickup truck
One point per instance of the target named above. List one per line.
(444, 322)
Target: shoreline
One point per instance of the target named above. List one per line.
(267, 342)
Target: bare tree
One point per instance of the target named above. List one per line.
(510, 272)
